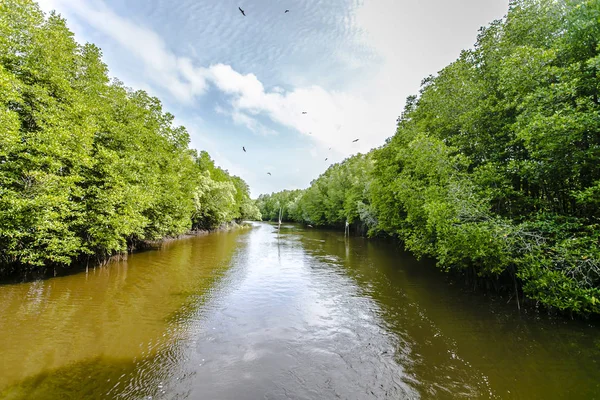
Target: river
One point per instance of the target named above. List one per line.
(300, 314)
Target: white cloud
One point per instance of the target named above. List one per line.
(333, 119)
(177, 75)
(243, 119)
(405, 40)
(240, 118)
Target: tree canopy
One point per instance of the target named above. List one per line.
(494, 169)
(88, 166)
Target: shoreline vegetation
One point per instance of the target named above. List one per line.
(49, 271)
(494, 169)
(226, 227)
(90, 169)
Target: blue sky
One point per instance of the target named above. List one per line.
(236, 81)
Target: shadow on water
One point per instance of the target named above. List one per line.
(115, 331)
(93, 379)
(15, 274)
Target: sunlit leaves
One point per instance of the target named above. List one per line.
(87, 166)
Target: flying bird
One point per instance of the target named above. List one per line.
(286, 11)
(330, 148)
(355, 140)
(303, 112)
(244, 149)
(268, 173)
(310, 226)
(242, 11)
(326, 159)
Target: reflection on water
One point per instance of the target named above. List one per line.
(302, 314)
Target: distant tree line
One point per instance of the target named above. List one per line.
(494, 169)
(89, 167)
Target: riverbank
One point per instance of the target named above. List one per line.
(493, 173)
(502, 287)
(19, 273)
(70, 199)
(195, 232)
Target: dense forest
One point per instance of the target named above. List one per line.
(494, 169)
(89, 167)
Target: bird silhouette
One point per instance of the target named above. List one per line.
(268, 173)
(286, 11)
(330, 148)
(326, 159)
(303, 112)
(244, 149)
(242, 11)
(355, 140)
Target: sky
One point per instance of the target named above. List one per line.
(292, 88)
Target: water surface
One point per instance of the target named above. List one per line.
(300, 314)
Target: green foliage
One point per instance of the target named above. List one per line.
(500, 140)
(219, 197)
(88, 166)
(340, 194)
(495, 165)
(286, 201)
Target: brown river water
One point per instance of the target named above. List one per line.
(300, 314)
